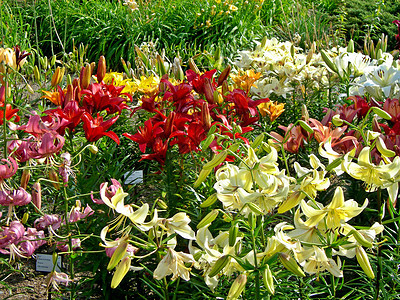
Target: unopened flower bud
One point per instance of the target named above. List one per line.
(337, 121)
(252, 220)
(268, 280)
(57, 76)
(381, 113)
(233, 233)
(202, 176)
(209, 218)
(53, 60)
(37, 195)
(219, 265)
(86, 74)
(26, 175)
(209, 201)
(53, 176)
(118, 253)
(224, 75)
(306, 127)
(361, 239)
(237, 287)
(290, 264)
(205, 116)
(36, 73)
(25, 218)
(363, 260)
(120, 272)
(257, 141)
(93, 149)
(101, 69)
(193, 66)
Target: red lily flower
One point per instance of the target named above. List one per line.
(10, 113)
(198, 81)
(96, 128)
(70, 116)
(159, 150)
(99, 97)
(146, 135)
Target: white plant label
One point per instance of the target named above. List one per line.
(44, 263)
(133, 177)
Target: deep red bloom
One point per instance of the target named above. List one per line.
(146, 135)
(198, 81)
(70, 116)
(100, 96)
(397, 36)
(96, 128)
(159, 150)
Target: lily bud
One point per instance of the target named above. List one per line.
(37, 195)
(86, 74)
(361, 239)
(36, 73)
(225, 88)
(328, 61)
(101, 69)
(26, 175)
(25, 218)
(381, 146)
(233, 233)
(237, 287)
(161, 66)
(57, 76)
(217, 159)
(290, 264)
(93, 149)
(193, 66)
(304, 113)
(257, 141)
(202, 176)
(209, 218)
(224, 75)
(162, 204)
(252, 220)
(350, 46)
(381, 113)
(209, 90)
(209, 201)
(268, 280)
(306, 127)
(219, 265)
(363, 260)
(69, 96)
(205, 116)
(207, 141)
(310, 53)
(118, 253)
(337, 121)
(120, 272)
(53, 60)
(53, 176)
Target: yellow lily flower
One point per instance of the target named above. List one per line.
(336, 213)
(174, 263)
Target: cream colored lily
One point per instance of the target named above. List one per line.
(174, 263)
(336, 213)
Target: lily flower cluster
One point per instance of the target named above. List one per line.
(161, 236)
(184, 113)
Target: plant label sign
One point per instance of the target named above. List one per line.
(133, 177)
(44, 263)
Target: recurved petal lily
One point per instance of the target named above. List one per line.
(179, 224)
(337, 212)
(319, 262)
(374, 176)
(174, 263)
(115, 199)
(8, 168)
